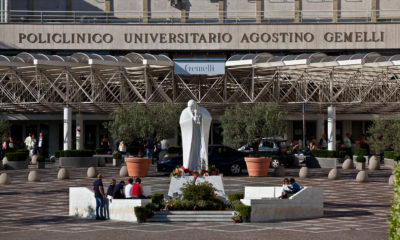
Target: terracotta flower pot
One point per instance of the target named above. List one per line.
(137, 167)
(258, 166)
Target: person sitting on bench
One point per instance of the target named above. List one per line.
(137, 190)
(294, 188)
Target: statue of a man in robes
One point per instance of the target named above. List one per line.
(195, 124)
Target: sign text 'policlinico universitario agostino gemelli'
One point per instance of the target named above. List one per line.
(200, 37)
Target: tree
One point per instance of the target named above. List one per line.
(245, 124)
(135, 122)
(4, 127)
(384, 133)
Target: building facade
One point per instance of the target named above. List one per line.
(67, 64)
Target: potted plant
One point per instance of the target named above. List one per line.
(247, 124)
(133, 123)
(16, 160)
(360, 162)
(41, 162)
(117, 158)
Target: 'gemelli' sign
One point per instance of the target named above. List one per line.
(200, 37)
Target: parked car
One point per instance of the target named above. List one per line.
(224, 158)
(277, 149)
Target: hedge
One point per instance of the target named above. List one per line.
(235, 197)
(16, 156)
(100, 151)
(391, 155)
(360, 158)
(74, 153)
(40, 159)
(328, 153)
(394, 216)
(23, 151)
(360, 151)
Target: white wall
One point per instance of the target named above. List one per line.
(163, 9)
(279, 9)
(388, 8)
(240, 9)
(317, 8)
(355, 8)
(202, 9)
(134, 7)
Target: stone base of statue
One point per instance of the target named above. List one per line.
(177, 183)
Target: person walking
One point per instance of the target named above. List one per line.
(33, 145)
(40, 144)
(149, 146)
(100, 197)
(27, 141)
(110, 197)
(347, 145)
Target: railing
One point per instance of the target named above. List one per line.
(178, 17)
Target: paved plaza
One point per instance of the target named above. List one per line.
(40, 210)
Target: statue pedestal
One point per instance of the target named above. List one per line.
(177, 183)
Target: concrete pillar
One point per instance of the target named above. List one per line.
(183, 11)
(79, 131)
(331, 128)
(335, 9)
(107, 5)
(145, 11)
(221, 13)
(259, 11)
(373, 10)
(320, 126)
(297, 11)
(67, 128)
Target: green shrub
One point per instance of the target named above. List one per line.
(360, 151)
(75, 153)
(157, 198)
(394, 216)
(235, 196)
(196, 192)
(117, 155)
(391, 155)
(40, 159)
(16, 156)
(100, 151)
(141, 213)
(174, 149)
(57, 153)
(188, 205)
(360, 159)
(244, 211)
(328, 153)
(23, 151)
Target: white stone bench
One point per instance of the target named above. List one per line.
(266, 205)
(83, 204)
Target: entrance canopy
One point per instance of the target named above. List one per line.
(359, 83)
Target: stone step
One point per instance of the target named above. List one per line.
(197, 213)
(192, 216)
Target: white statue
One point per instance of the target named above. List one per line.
(195, 124)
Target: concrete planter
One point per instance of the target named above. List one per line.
(360, 166)
(327, 162)
(389, 162)
(117, 162)
(78, 162)
(366, 159)
(15, 165)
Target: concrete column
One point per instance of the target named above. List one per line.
(221, 13)
(79, 131)
(320, 126)
(67, 128)
(145, 11)
(297, 11)
(183, 11)
(259, 11)
(335, 9)
(373, 10)
(107, 5)
(53, 137)
(331, 128)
